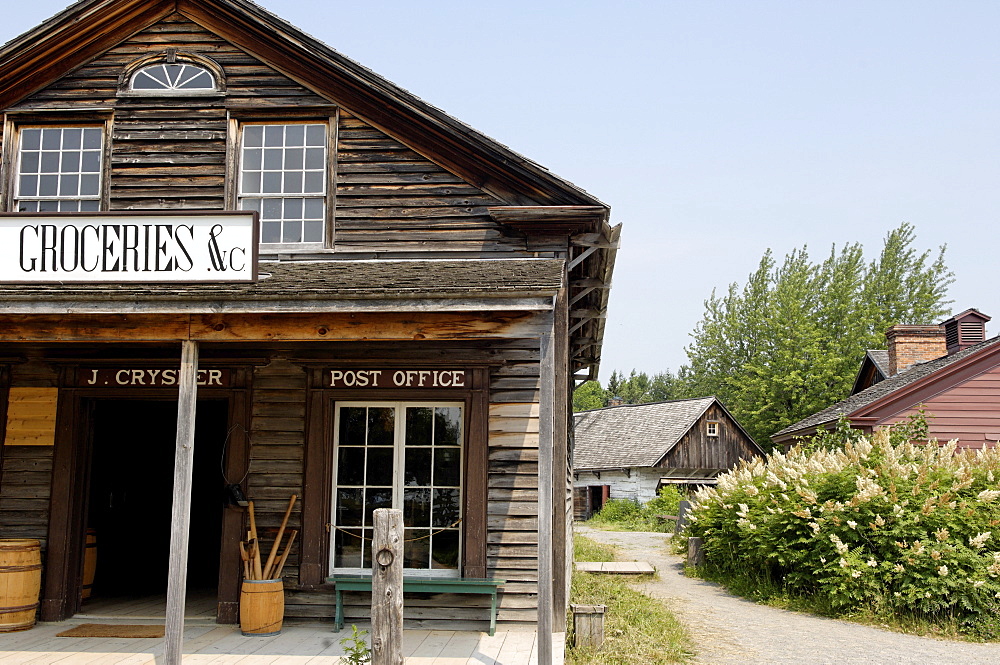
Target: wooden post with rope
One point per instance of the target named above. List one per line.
(387, 587)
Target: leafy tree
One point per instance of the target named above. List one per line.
(789, 342)
(636, 388)
(589, 396)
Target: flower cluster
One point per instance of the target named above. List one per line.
(907, 527)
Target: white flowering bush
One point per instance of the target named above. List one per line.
(908, 529)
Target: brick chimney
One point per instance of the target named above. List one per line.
(914, 344)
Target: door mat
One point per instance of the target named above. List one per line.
(113, 630)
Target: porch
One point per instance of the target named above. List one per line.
(299, 643)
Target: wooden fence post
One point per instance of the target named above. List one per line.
(387, 588)
(696, 552)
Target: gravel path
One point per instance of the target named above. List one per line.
(728, 630)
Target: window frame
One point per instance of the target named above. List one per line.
(13, 124)
(711, 425)
(398, 483)
(234, 183)
(171, 56)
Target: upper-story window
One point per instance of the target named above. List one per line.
(176, 77)
(283, 177)
(59, 169)
(712, 429)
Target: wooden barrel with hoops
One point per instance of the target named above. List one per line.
(20, 583)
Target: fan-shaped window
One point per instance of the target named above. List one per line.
(173, 78)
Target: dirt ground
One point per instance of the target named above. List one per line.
(728, 630)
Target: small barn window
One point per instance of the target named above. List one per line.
(713, 429)
(176, 78)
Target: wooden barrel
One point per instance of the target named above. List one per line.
(20, 582)
(89, 563)
(262, 607)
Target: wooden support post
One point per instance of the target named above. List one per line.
(546, 427)
(682, 516)
(696, 552)
(387, 587)
(180, 516)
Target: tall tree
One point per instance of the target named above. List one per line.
(636, 388)
(790, 341)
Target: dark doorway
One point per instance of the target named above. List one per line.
(130, 496)
(598, 495)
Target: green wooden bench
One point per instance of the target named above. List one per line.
(420, 585)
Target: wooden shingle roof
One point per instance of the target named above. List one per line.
(633, 435)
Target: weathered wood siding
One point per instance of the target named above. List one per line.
(635, 484)
(697, 450)
(968, 412)
(171, 152)
(27, 471)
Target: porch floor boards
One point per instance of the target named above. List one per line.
(299, 643)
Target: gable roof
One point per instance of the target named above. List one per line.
(635, 435)
(893, 387)
(85, 29)
(876, 362)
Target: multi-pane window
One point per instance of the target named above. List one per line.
(173, 78)
(59, 169)
(399, 455)
(283, 177)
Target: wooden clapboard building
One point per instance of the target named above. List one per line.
(423, 301)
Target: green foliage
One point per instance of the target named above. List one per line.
(629, 515)
(356, 649)
(589, 396)
(636, 388)
(913, 428)
(789, 342)
(899, 529)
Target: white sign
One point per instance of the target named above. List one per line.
(129, 247)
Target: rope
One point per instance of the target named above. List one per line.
(405, 540)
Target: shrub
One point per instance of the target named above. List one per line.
(901, 528)
(630, 515)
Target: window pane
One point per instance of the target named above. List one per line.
(417, 467)
(69, 185)
(29, 162)
(273, 135)
(272, 183)
(416, 507)
(313, 232)
(447, 425)
(92, 139)
(351, 466)
(347, 548)
(69, 206)
(313, 183)
(291, 232)
(72, 138)
(51, 139)
(91, 162)
(31, 139)
(27, 206)
(251, 183)
(273, 159)
(253, 136)
(380, 461)
(48, 185)
(374, 499)
(294, 158)
(89, 185)
(295, 135)
(381, 423)
(447, 509)
(90, 206)
(253, 158)
(314, 209)
(316, 135)
(28, 185)
(445, 554)
(314, 158)
(50, 162)
(349, 506)
(48, 206)
(352, 426)
(270, 232)
(447, 467)
(293, 209)
(418, 426)
(293, 182)
(272, 209)
(416, 553)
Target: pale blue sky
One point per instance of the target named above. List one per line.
(713, 129)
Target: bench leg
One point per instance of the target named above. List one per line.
(339, 616)
(493, 613)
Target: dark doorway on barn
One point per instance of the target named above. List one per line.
(129, 505)
(598, 495)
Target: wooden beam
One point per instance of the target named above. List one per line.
(180, 516)
(387, 587)
(546, 429)
(292, 327)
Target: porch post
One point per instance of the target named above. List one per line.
(180, 516)
(546, 427)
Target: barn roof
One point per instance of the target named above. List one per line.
(908, 378)
(633, 435)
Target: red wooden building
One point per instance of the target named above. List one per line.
(951, 372)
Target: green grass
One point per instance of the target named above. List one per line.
(638, 630)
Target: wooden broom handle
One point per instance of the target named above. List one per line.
(277, 541)
(288, 548)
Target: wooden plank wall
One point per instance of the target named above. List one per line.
(697, 450)
(170, 152)
(27, 471)
(968, 412)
